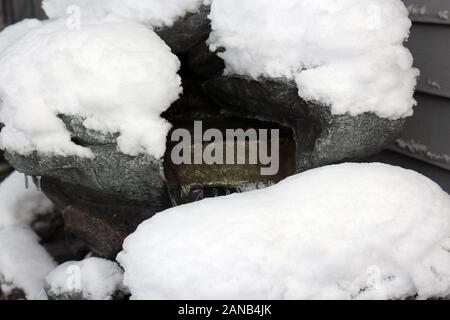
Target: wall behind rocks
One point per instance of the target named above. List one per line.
(425, 145)
(12, 11)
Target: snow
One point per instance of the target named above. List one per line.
(93, 279)
(18, 206)
(24, 263)
(153, 13)
(347, 54)
(16, 31)
(350, 231)
(117, 74)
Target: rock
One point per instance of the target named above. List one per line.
(78, 296)
(321, 138)
(104, 199)
(10, 294)
(112, 182)
(188, 31)
(187, 38)
(5, 167)
(61, 245)
(189, 183)
(103, 229)
(114, 173)
(204, 62)
(88, 279)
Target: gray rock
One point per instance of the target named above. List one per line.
(76, 295)
(104, 199)
(14, 294)
(104, 228)
(60, 244)
(115, 191)
(112, 172)
(188, 31)
(321, 137)
(204, 62)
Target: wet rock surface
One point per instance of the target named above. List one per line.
(321, 137)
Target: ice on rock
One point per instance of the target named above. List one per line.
(90, 279)
(153, 13)
(347, 54)
(350, 231)
(116, 74)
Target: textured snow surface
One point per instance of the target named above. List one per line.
(350, 231)
(24, 263)
(93, 279)
(154, 13)
(116, 73)
(348, 54)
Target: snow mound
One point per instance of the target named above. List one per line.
(14, 32)
(91, 279)
(348, 54)
(23, 262)
(117, 74)
(154, 13)
(18, 206)
(350, 231)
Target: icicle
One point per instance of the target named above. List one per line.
(38, 183)
(26, 182)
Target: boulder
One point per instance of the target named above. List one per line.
(188, 31)
(131, 188)
(321, 138)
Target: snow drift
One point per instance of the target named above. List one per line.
(351, 231)
(24, 263)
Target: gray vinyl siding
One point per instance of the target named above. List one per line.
(427, 134)
(23, 9)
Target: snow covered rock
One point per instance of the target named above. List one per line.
(187, 32)
(347, 54)
(153, 13)
(116, 74)
(93, 100)
(182, 24)
(350, 231)
(321, 138)
(90, 279)
(111, 193)
(81, 108)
